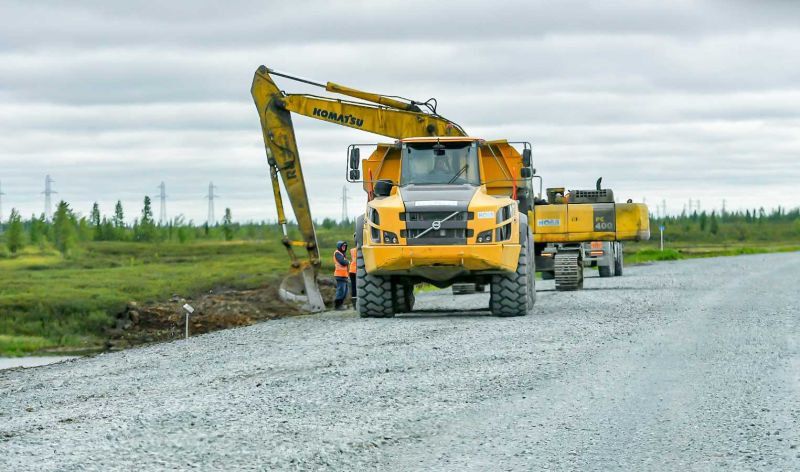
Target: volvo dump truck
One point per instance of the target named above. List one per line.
(571, 222)
(442, 207)
(444, 210)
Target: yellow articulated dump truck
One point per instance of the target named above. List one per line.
(576, 227)
(443, 210)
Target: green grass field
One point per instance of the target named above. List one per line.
(49, 301)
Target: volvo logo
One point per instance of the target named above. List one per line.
(436, 225)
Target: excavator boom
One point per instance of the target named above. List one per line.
(386, 116)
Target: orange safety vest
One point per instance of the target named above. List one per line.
(339, 269)
(353, 256)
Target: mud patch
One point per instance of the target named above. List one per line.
(218, 309)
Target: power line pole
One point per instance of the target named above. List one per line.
(664, 208)
(211, 195)
(723, 206)
(48, 191)
(345, 216)
(162, 214)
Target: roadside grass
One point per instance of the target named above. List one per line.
(72, 302)
(641, 252)
(21, 345)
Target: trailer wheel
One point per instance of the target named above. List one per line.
(514, 294)
(605, 271)
(548, 275)
(374, 292)
(618, 263)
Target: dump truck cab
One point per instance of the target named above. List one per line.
(443, 210)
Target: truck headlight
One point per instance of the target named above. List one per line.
(374, 233)
(389, 238)
(485, 237)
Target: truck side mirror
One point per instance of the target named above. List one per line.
(526, 158)
(355, 157)
(526, 172)
(383, 188)
(355, 174)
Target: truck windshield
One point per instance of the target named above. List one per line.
(451, 163)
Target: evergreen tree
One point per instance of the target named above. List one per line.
(227, 225)
(64, 228)
(36, 230)
(108, 230)
(85, 230)
(96, 222)
(713, 224)
(703, 221)
(147, 212)
(14, 238)
(146, 229)
(119, 216)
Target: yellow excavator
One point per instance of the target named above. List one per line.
(576, 228)
(386, 116)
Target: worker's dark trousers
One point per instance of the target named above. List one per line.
(353, 293)
(341, 291)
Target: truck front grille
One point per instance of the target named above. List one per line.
(435, 215)
(437, 234)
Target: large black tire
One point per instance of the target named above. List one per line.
(374, 292)
(548, 275)
(618, 263)
(404, 298)
(514, 294)
(605, 271)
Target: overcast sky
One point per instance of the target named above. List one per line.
(665, 100)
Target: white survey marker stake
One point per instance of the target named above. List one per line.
(189, 309)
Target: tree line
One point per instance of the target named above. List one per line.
(68, 230)
(757, 224)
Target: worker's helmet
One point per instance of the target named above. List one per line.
(340, 245)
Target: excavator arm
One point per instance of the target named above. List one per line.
(386, 116)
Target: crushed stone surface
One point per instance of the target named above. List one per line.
(688, 365)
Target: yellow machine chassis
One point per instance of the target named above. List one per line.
(440, 263)
(581, 222)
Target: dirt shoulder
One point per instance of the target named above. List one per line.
(222, 308)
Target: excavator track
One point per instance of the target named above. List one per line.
(568, 271)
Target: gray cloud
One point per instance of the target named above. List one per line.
(667, 100)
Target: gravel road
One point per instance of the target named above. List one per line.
(677, 365)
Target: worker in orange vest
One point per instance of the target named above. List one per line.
(340, 273)
(353, 270)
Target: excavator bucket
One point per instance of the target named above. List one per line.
(301, 287)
